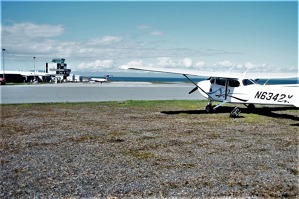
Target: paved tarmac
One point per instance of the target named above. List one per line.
(80, 92)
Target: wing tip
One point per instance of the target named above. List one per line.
(123, 67)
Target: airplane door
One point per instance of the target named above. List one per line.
(218, 88)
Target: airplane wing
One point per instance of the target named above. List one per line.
(175, 71)
(228, 75)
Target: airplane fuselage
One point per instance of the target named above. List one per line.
(247, 91)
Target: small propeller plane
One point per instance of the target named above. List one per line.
(101, 80)
(237, 88)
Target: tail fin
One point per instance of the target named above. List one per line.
(107, 77)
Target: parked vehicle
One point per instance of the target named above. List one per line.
(2, 81)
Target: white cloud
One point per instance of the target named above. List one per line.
(166, 62)
(148, 30)
(135, 63)
(22, 39)
(95, 66)
(200, 64)
(169, 62)
(143, 27)
(187, 62)
(25, 40)
(105, 40)
(30, 30)
(249, 65)
(225, 63)
(221, 66)
(155, 33)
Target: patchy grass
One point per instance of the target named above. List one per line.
(85, 138)
(115, 137)
(139, 154)
(168, 104)
(169, 148)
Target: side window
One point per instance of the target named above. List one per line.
(247, 82)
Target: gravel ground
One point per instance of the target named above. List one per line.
(159, 149)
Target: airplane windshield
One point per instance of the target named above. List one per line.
(247, 82)
(212, 80)
(222, 82)
(233, 83)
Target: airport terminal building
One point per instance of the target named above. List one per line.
(56, 70)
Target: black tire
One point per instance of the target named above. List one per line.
(209, 109)
(251, 107)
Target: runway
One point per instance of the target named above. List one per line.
(79, 92)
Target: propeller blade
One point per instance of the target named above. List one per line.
(194, 89)
(197, 87)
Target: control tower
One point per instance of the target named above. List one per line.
(58, 68)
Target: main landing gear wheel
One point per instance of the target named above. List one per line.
(251, 107)
(209, 108)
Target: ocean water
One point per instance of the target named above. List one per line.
(195, 79)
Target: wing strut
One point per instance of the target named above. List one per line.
(223, 102)
(196, 87)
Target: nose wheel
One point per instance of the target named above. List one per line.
(209, 108)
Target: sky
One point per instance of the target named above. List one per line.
(99, 36)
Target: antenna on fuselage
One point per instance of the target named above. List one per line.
(266, 81)
(230, 69)
(245, 71)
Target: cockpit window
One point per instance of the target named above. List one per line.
(233, 83)
(247, 82)
(220, 81)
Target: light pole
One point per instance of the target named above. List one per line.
(34, 68)
(3, 50)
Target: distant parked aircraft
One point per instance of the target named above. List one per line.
(101, 80)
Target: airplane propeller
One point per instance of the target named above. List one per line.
(197, 87)
(192, 91)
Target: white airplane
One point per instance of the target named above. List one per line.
(101, 80)
(237, 88)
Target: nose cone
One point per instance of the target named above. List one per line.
(205, 87)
